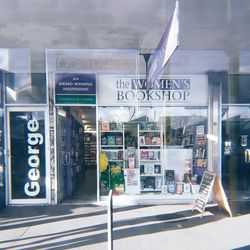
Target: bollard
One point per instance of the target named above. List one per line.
(110, 220)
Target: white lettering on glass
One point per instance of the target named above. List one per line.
(32, 186)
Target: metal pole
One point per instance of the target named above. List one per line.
(110, 220)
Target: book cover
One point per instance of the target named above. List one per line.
(113, 126)
(169, 175)
(105, 126)
(142, 169)
(171, 186)
(144, 155)
(158, 182)
(114, 155)
(179, 187)
(149, 168)
(151, 155)
(157, 169)
(142, 140)
(148, 140)
(104, 140)
(131, 162)
(149, 183)
(111, 140)
(118, 140)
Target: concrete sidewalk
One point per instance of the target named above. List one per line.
(135, 227)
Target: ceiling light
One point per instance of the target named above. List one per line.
(62, 112)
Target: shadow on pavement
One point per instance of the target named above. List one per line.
(37, 215)
(159, 223)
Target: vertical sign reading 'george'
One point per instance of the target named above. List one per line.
(28, 154)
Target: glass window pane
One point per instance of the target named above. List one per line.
(236, 89)
(22, 86)
(236, 152)
(145, 144)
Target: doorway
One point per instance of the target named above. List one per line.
(236, 152)
(76, 154)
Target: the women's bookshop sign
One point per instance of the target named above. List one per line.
(169, 90)
(75, 88)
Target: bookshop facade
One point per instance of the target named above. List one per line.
(89, 130)
(75, 123)
(153, 144)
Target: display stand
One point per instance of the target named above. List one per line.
(150, 151)
(112, 144)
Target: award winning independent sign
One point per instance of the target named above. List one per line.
(75, 88)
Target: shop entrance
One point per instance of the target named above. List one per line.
(76, 154)
(236, 152)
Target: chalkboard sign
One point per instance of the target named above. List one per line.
(206, 186)
(211, 181)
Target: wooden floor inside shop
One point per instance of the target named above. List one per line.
(86, 192)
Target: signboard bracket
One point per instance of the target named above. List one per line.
(146, 57)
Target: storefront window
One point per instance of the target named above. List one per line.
(152, 150)
(72, 80)
(22, 86)
(25, 88)
(235, 89)
(236, 152)
(2, 174)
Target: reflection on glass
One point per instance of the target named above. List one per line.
(25, 88)
(235, 153)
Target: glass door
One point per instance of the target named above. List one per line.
(236, 152)
(28, 172)
(76, 154)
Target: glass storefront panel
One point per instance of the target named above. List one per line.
(72, 81)
(22, 86)
(2, 133)
(28, 88)
(235, 89)
(27, 155)
(160, 151)
(152, 142)
(236, 152)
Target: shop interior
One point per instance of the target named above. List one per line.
(76, 154)
(159, 151)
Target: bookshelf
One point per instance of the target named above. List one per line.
(112, 145)
(150, 150)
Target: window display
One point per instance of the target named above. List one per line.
(112, 148)
(163, 155)
(150, 156)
